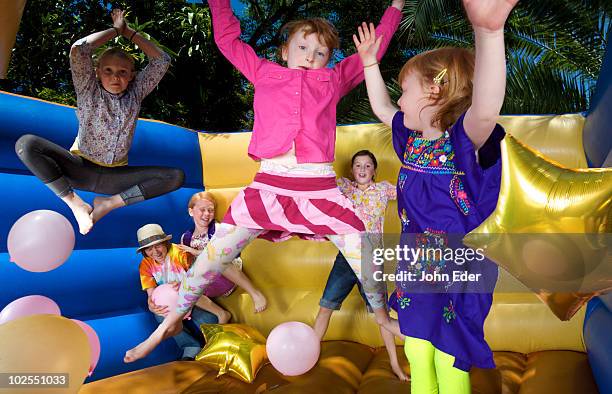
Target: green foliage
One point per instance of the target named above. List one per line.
(555, 50)
(39, 62)
(194, 92)
(67, 98)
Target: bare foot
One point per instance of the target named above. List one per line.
(149, 344)
(259, 301)
(399, 372)
(103, 205)
(81, 212)
(224, 316)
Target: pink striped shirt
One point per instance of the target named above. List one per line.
(293, 106)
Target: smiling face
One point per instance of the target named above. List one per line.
(115, 73)
(363, 170)
(203, 212)
(157, 252)
(305, 52)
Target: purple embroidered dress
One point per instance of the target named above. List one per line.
(443, 189)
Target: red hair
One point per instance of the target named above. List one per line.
(455, 95)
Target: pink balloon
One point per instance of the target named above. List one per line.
(94, 344)
(27, 306)
(40, 241)
(165, 295)
(293, 348)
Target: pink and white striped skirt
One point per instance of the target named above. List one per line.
(283, 206)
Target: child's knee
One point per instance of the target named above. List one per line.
(175, 178)
(24, 144)
(202, 265)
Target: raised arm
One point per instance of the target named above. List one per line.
(488, 18)
(150, 49)
(368, 45)
(81, 63)
(100, 38)
(159, 61)
(351, 68)
(226, 29)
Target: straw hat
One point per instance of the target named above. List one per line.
(151, 234)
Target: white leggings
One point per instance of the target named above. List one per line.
(228, 242)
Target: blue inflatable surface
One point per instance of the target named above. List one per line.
(598, 340)
(597, 136)
(99, 283)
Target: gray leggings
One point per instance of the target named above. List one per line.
(62, 171)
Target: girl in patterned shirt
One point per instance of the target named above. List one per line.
(370, 200)
(109, 96)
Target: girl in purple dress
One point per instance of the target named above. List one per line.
(446, 136)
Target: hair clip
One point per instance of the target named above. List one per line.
(438, 78)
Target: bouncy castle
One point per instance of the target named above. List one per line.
(535, 351)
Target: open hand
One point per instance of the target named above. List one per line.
(119, 20)
(189, 249)
(399, 4)
(490, 15)
(157, 309)
(367, 44)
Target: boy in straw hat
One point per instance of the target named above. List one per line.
(163, 262)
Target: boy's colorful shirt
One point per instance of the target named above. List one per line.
(107, 121)
(176, 264)
(293, 106)
(370, 204)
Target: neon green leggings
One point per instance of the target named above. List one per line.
(432, 371)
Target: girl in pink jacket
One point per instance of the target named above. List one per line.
(294, 192)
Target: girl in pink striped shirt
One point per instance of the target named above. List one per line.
(294, 132)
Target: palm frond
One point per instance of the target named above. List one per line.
(555, 47)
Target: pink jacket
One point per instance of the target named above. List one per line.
(293, 105)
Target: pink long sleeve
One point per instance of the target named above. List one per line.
(226, 29)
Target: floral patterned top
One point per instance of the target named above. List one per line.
(199, 241)
(371, 203)
(106, 120)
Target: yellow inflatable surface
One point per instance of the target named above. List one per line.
(534, 350)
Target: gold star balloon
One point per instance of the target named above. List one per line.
(236, 349)
(551, 228)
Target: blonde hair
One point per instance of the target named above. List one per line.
(325, 31)
(116, 52)
(455, 95)
(208, 196)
